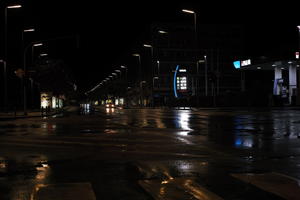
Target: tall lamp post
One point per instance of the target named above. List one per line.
(206, 84)
(152, 71)
(5, 53)
(140, 75)
(32, 45)
(195, 23)
(31, 80)
(299, 37)
(123, 67)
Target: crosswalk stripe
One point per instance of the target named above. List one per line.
(177, 188)
(276, 183)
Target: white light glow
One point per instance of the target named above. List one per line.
(188, 11)
(14, 6)
(38, 44)
(163, 32)
(181, 83)
(147, 45)
(28, 30)
(245, 62)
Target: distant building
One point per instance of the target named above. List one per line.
(196, 76)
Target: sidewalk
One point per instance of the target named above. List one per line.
(20, 115)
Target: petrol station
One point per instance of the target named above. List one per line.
(281, 75)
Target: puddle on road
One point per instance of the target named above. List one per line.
(21, 174)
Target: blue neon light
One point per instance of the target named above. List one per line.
(237, 64)
(174, 83)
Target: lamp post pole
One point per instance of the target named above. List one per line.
(31, 81)
(152, 70)
(140, 76)
(205, 60)
(298, 37)
(23, 78)
(5, 53)
(195, 23)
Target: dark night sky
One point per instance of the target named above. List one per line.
(109, 30)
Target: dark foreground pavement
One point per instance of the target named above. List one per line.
(152, 154)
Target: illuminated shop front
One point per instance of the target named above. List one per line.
(48, 100)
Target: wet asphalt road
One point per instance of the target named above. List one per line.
(129, 154)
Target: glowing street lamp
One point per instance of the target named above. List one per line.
(147, 45)
(38, 44)
(29, 30)
(162, 32)
(195, 21)
(14, 6)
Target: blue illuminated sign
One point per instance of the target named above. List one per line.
(237, 64)
(174, 81)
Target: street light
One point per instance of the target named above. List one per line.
(299, 36)
(205, 60)
(154, 78)
(38, 44)
(162, 32)
(5, 52)
(24, 69)
(26, 31)
(43, 54)
(140, 66)
(195, 22)
(29, 30)
(140, 73)
(152, 68)
(126, 78)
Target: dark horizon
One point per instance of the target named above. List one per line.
(108, 34)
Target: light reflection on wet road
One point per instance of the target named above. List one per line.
(220, 141)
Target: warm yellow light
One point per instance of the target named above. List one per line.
(136, 54)
(188, 11)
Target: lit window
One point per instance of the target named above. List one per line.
(181, 83)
